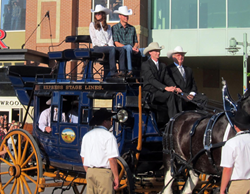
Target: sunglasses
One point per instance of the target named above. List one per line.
(98, 13)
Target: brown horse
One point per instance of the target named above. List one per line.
(193, 141)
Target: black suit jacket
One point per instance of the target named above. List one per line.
(189, 85)
(154, 80)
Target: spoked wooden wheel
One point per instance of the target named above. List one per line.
(22, 167)
(125, 177)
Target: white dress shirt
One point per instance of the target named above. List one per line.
(156, 63)
(100, 37)
(73, 118)
(235, 154)
(44, 120)
(98, 146)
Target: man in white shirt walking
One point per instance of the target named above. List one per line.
(235, 157)
(99, 151)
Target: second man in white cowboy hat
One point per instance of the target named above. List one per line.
(184, 79)
(156, 80)
(124, 35)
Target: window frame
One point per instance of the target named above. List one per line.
(108, 20)
(22, 21)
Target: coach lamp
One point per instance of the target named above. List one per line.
(122, 116)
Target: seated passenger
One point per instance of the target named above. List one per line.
(157, 81)
(44, 119)
(183, 77)
(102, 41)
(124, 35)
(73, 113)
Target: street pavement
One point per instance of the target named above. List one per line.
(49, 190)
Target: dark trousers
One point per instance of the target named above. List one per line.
(170, 100)
(112, 59)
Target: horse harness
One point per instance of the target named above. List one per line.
(207, 139)
(168, 145)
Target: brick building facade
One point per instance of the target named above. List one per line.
(72, 17)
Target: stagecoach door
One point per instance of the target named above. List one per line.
(72, 116)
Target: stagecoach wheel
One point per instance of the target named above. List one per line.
(22, 167)
(125, 177)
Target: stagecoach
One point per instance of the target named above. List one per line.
(138, 125)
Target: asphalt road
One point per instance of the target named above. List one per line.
(48, 190)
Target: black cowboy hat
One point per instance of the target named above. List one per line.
(100, 116)
(242, 119)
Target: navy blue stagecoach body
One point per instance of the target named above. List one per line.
(34, 86)
(74, 97)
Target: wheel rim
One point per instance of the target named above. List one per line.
(125, 177)
(26, 166)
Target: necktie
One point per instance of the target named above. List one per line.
(157, 66)
(182, 72)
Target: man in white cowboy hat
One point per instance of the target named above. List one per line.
(45, 117)
(157, 82)
(184, 79)
(99, 152)
(235, 157)
(124, 35)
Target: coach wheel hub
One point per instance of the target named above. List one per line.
(15, 171)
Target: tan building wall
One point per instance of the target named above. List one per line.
(14, 40)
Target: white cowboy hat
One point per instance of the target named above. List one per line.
(152, 46)
(100, 8)
(123, 10)
(48, 102)
(177, 49)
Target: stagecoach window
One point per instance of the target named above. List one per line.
(85, 113)
(112, 5)
(70, 109)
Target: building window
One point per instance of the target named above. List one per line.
(238, 14)
(160, 14)
(112, 5)
(212, 14)
(13, 14)
(184, 14)
(6, 88)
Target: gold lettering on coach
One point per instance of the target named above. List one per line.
(53, 87)
(93, 87)
(73, 87)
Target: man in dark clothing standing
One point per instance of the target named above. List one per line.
(156, 81)
(183, 77)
